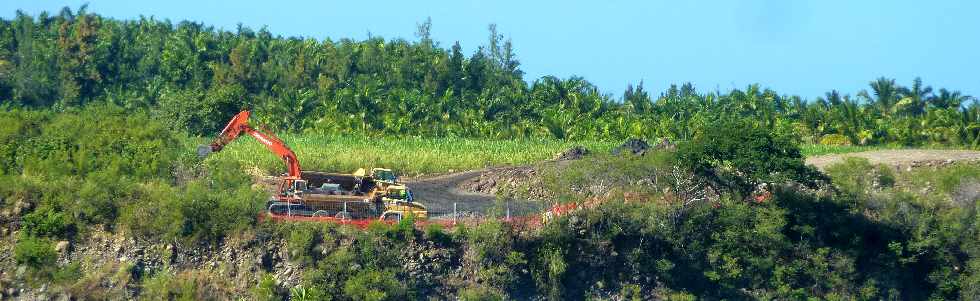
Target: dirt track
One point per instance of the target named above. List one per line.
(903, 158)
(440, 192)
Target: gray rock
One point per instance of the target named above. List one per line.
(573, 153)
(632, 146)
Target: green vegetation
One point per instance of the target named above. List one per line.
(195, 77)
(104, 166)
(410, 156)
(740, 155)
(428, 155)
(809, 150)
(99, 117)
(878, 234)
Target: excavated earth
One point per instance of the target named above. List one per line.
(902, 158)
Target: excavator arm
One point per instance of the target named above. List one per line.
(239, 125)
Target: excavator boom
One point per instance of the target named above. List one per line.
(239, 125)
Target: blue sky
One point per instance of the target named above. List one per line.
(795, 47)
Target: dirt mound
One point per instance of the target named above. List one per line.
(492, 181)
(574, 153)
(967, 193)
(901, 158)
(632, 146)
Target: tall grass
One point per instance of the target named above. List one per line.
(413, 156)
(407, 156)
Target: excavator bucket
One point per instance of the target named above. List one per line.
(203, 150)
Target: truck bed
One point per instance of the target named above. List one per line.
(347, 182)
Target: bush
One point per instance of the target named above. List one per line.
(434, 232)
(46, 222)
(101, 195)
(155, 215)
(373, 285)
(37, 253)
(480, 294)
(300, 241)
(858, 175)
(332, 272)
(739, 155)
(266, 289)
(194, 285)
(835, 140)
(204, 210)
(15, 129)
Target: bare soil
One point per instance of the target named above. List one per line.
(901, 158)
(473, 191)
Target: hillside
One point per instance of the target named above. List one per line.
(534, 189)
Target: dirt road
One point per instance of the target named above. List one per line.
(901, 158)
(440, 192)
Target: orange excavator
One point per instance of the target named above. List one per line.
(291, 183)
(357, 195)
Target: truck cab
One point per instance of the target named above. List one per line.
(399, 202)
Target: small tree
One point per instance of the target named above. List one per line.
(738, 155)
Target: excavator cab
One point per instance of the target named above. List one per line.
(300, 186)
(291, 186)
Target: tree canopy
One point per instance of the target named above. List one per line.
(195, 77)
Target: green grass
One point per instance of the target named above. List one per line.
(407, 156)
(416, 156)
(810, 150)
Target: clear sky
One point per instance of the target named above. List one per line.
(795, 47)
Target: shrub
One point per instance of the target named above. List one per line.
(434, 232)
(205, 209)
(835, 140)
(46, 222)
(374, 285)
(37, 253)
(332, 272)
(304, 293)
(155, 215)
(191, 285)
(300, 241)
(738, 154)
(480, 293)
(100, 197)
(857, 175)
(15, 129)
(266, 289)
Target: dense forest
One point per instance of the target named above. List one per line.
(197, 76)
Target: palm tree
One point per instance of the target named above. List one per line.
(913, 101)
(886, 94)
(948, 99)
(834, 97)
